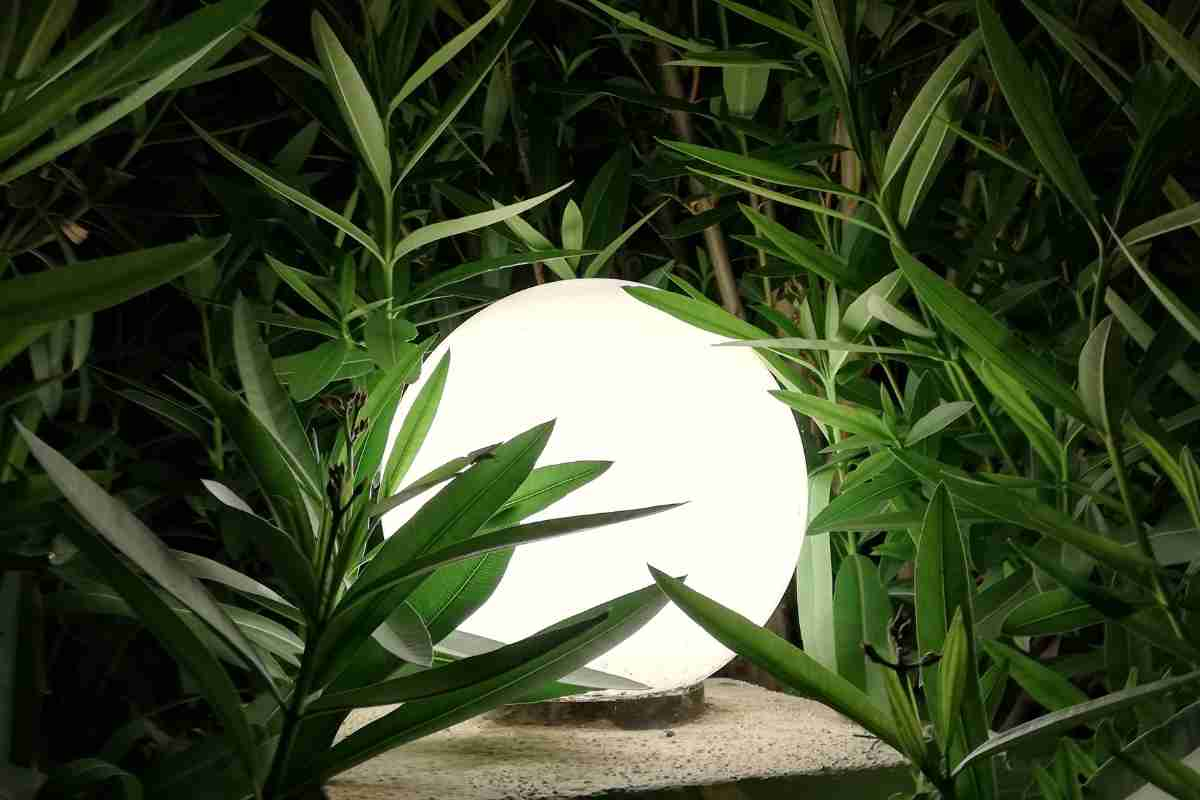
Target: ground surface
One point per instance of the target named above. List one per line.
(747, 736)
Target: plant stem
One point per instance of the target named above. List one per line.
(983, 415)
(714, 237)
(292, 716)
(1098, 292)
(217, 453)
(1160, 593)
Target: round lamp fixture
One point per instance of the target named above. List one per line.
(680, 419)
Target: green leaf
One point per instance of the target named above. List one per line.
(805, 253)
(605, 626)
(25, 122)
(925, 105)
(1104, 382)
(415, 427)
(702, 314)
(955, 670)
(495, 106)
(1170, 776)
(484, 266)
(87, 42)
(1051, 613)
(368, 588)
(1070, 41)
(389, 340)
(84, 776)
(404, 635)
(1066, 719)
(206, 30)
(308, 373)
(572, 230)
(936, 421)
(279, 550)
(787, 663)
(354, 101)
(183, 643)
(1047, 687)
(827, 345)
(544, 487)
(443, 56)
(1172, 41)
(453, 676)
(174, 413)
(607, 200)
(87, 286)
(861, 616)
(997, 599)
(796, 202)
(277, 184)
(865, 497)
(452, 227)
(206, 569)
(944, 592)
(814, 582)
(986, 336)
(534, 239)
(775, 24)
(303, 284)
(843, 416)
(601, 260)
(884, 311)
(1175, 306)
(453, 515)
(731, 58)
(460, 644)
(1020, 408)
(265, 395)
(686, 45)
(163, 59)
(448, 471)
(454, 592)
(931, 154)
(113, 520)
(759, 169)
(1035, 114)
(1185, 217)
(837, 59)
(283, 483)
(515, 13)
(1016, 508)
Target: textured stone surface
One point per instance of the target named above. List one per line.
(749, 743)
(663, 709)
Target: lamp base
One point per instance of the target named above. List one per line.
(626, 710)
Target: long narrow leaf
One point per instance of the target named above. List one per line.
(1059, 722)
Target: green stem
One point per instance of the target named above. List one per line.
(292, 717)
(217, 454)
(1098, 293)
(983, 415)
(1160, 593)
(1064, 470)
(388, 249)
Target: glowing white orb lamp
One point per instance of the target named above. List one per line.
(682, 420)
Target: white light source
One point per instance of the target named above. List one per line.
(681, 420)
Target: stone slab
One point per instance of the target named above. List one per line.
(750, 742)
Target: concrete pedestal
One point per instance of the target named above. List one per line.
(748, 743)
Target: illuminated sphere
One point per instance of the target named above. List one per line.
(682, 420)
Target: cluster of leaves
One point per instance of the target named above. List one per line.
(343, 293)
(956, 232)
(971, 301)
(357, 617)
